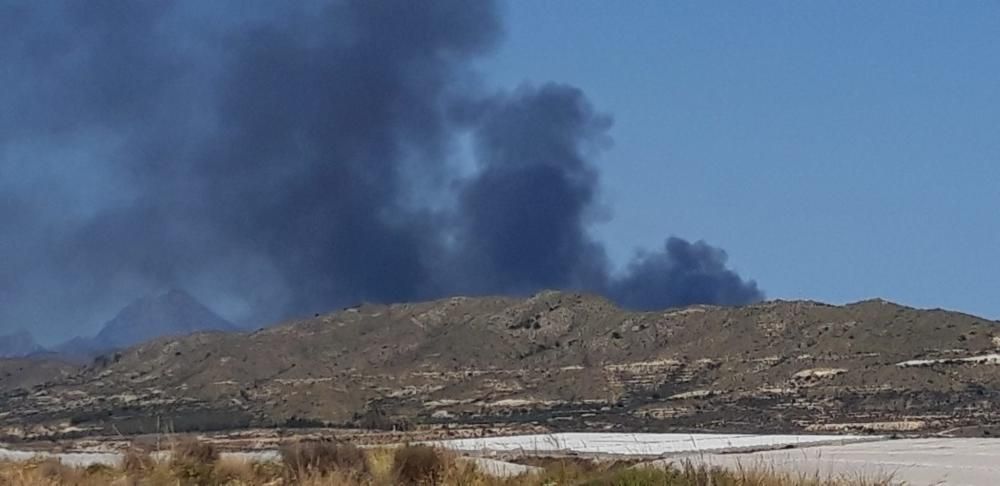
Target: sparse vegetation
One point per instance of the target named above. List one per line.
(417, 465)
(311, 458)
(327, 463)
(194, 462)
(563, 353)
(375, 418)
(136, 462)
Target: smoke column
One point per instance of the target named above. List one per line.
(281, 158)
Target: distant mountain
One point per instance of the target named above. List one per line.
(18, 344)
(173, 313)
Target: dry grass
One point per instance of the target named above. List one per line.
(136, 462)
(690, 475)
(312, 458)
(334, 464)
(50, 472)
(194, 463)
(415, 465)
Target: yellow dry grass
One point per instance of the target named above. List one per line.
(194, 465)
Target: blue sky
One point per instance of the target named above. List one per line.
(837, 150)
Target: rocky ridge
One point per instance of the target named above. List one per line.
(557, 360)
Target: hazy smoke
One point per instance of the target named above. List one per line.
(280, 158)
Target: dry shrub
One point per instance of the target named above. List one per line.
(380, 464)
(467, 473)
(235, 471)
(51, 472)
(193, 462)
(690, 474)
(324, 457)
(686, 475)
(272, 470)
(161, 475)
(98, 469)
(136, 461)
(334, 478)
(634, 477)
(408, 466)
(564, 471)
(193, 451)
(57, 472)
(419, 465)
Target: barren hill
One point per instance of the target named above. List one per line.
(563, 360)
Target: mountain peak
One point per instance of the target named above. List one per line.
(18, 344)
(172, 313)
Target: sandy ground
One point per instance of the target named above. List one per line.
(918, 462)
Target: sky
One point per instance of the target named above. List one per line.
(279, 159)
(838, 151)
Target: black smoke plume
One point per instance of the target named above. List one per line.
(281, 158)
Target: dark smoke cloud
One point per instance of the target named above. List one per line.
(284, 158)
(524, 215)
(683, 273)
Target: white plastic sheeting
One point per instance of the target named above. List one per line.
(640, 444)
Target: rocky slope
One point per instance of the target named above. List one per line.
(566, 361)
(17, 375)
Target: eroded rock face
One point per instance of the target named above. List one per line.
(563, 360)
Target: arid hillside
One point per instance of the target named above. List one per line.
(560, 360)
